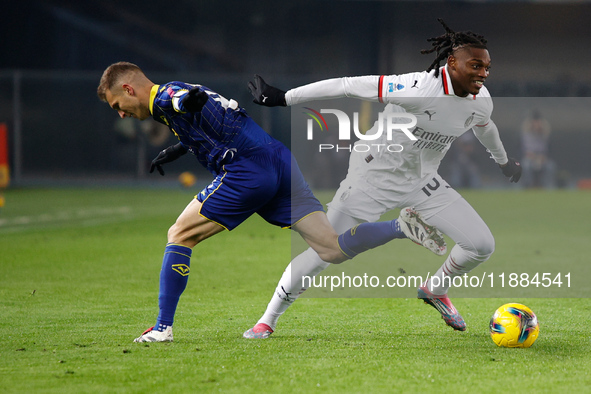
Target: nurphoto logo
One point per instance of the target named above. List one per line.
(389, 123)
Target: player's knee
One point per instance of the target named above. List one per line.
(178, 235)
(173, 234)
(484, 246)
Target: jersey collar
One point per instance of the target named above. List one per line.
(153, 93)
(448, 88)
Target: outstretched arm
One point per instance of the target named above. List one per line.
(365, 88)
(488, 135)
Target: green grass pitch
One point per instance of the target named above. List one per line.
(79, 280)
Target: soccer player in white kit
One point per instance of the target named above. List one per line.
(447, 101)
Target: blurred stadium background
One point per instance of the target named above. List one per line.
(54, 52)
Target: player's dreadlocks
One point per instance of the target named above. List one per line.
(445, 44)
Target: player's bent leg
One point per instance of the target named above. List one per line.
(189, 229)
(293, 281)
(290, 287)
(474, 245)
(317, 231)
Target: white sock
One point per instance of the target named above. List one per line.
(458, 263)
(290, 286)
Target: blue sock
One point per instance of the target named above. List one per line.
(367, 236)
(173, 280)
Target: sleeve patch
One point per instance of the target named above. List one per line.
(176, 100)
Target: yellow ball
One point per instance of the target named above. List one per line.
(187, 179)
(514, 325)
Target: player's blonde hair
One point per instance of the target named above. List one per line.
(113, 74)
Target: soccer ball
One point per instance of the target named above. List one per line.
(514, 325)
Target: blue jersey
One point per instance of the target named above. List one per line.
(216, 134)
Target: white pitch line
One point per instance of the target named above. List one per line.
(63, 216)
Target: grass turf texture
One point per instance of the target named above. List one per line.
(79, 280)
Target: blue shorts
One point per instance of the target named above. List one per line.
(266, 181)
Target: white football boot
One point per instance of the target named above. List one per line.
(151, 335)
(418, 231)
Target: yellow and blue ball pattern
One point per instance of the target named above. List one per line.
(514, 325)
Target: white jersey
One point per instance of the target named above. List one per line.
(441, 116)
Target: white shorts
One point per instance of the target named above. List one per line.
(360, 200)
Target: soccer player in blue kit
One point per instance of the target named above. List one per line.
(253, 173)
